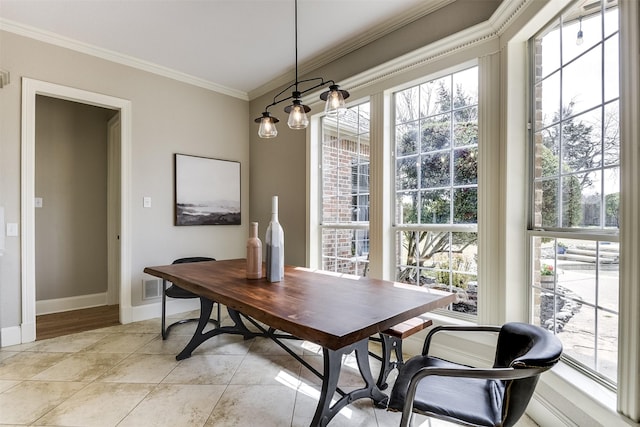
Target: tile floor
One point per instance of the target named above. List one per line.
(127, 376)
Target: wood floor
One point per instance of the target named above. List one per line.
(70, 322)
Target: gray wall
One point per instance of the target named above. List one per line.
(71, 178)
(168, 117)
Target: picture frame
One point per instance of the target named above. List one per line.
(207, 191)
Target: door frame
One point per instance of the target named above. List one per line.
(31, 88)
(114, 132)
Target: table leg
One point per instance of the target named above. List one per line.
(389, 343)
(332, 366)
(206, 306)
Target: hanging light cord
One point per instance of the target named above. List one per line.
(297, 94)
(295, 20)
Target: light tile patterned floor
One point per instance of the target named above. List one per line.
(127, 376)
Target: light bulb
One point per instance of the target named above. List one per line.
(267, 127)
(579, 39)
(335, 103)
(297, 116)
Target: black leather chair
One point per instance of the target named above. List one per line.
(496, 396)
(177, 292)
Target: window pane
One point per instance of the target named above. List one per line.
(612, 198)
(435, 170)
(581, 142)
(407, 138)
(548, 206)
(586, 70)
(610, 21)
(407, 105)
(436, 207)
(407, 173)
(547, 43)
(465, 166)
(465, 127)
(607, 345)
(465, 86)
(435, 97)
(407, 207)
(611, 137)
(548, 98)
(436, 133)
(465, 205)
(611, 71)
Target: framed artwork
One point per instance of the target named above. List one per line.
(207, 191)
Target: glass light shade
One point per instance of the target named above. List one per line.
(297, 116)
(335, 103)
(580, 38)
(267, 128)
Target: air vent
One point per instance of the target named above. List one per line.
(151, 288)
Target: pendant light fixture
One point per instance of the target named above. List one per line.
(580, 36)
(297, 111)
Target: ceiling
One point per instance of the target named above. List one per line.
(237, 45)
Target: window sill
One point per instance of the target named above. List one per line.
(564, 396)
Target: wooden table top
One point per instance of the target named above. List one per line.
(329, 309)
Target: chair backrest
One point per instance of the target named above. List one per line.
(192, 259)
(522, 345)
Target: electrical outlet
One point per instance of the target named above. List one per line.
(146, 202)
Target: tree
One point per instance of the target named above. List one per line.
(571, 193)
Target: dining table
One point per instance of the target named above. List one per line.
(338, 312)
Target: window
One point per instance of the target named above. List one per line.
(436, 185)
(345, 191)
(575, 195)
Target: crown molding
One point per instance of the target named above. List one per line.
(486, 31)
(68, 43)
(354, 44)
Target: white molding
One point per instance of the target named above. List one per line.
(629, 319)
(58, 305)
(174, 306)
(68, 43)
(31, 88)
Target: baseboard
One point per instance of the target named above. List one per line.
(59, 305)
(174, 306)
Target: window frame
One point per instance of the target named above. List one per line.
(557, 232)
(450, 227)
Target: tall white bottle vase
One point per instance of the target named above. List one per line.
(254, 253)
(275, 245)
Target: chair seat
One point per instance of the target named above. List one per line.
(476, 401)
(174, 291)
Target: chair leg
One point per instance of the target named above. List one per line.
(164, 308)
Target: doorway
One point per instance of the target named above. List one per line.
(30, 90)
(71, 206)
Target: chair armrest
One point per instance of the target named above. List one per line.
(481, 373)
(455, 328)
